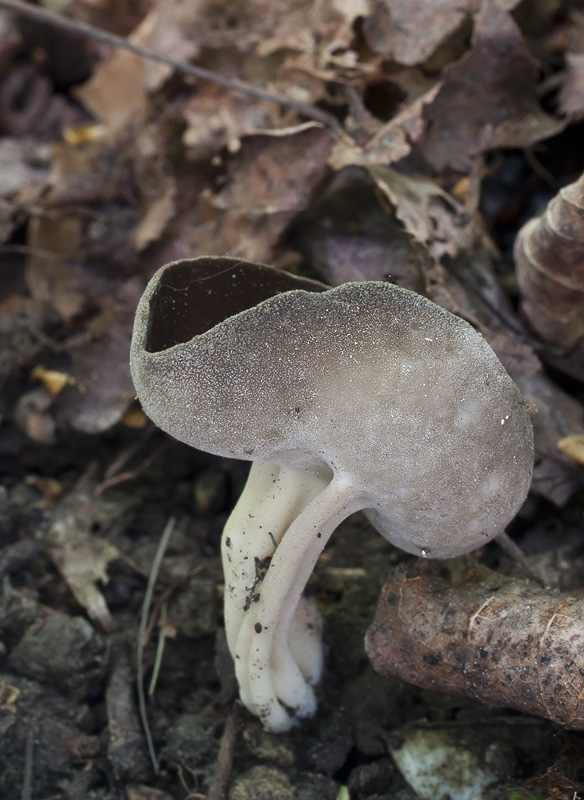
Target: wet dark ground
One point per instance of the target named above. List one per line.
(69, 719)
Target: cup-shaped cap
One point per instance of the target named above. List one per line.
(403, 400)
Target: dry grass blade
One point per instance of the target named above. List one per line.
(28, 764)
(168, 531)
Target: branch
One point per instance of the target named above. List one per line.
(74, 26)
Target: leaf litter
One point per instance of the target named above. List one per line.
(455, 124)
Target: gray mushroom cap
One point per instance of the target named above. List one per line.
(368, 381)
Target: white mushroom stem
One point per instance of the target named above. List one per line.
(272, 683)
(272, 498)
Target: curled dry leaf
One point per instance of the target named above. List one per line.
(427, 212)
(549, 256)
(499, 640)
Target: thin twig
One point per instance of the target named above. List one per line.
(517, 555)
(131, 474)
(540, 170)
(159, 653)
(25, 250)
(56, 20)
(168, 531)
(218, 788)
(120, 462)
(505, 721)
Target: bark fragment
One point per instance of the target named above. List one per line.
(499, 640)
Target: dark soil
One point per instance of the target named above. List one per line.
(69, 719)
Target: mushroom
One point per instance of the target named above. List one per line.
(365, 396)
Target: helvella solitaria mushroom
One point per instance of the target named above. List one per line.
(361, 397)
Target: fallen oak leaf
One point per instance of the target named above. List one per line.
(499, 640)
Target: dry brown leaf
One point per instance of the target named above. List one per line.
(23, 167)
(53, 273)
(81, 557)
(157, 217)
(555, 414)
(216, 118)
(488, 98)
(409, 31)
(100, 366)
(117, 16)
(349, 235)
(311, 28)
(24, 175)
(116, 92)
(82, 568)
(428, 213)
(392, 142)
(499, 640)
(571, 97)
(271, 180)
(176, 28)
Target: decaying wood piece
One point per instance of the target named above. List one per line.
(500, 640)
(549, 257)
